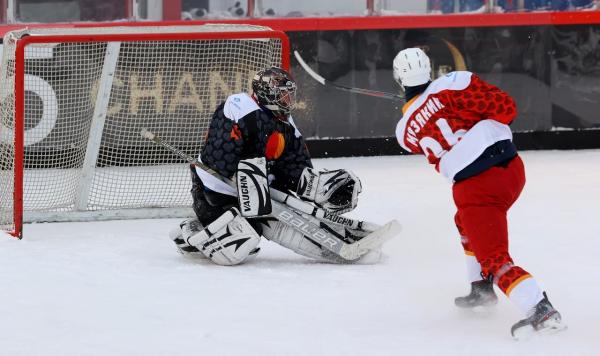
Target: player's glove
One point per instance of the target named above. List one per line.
(335, 190)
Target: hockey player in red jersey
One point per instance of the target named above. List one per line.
(460, 123)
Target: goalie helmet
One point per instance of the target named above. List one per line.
(412, 67)
(275, 89)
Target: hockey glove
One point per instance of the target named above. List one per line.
(335, 190)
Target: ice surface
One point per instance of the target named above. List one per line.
(120, 287)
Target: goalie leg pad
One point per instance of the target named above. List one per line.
(288, 237)
(229, 240)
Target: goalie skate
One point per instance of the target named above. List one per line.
(178, 236)
(543, 319)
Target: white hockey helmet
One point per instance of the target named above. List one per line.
(412, 67)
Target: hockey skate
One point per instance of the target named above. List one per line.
(482, 295)
(542, 319)
(188, 227)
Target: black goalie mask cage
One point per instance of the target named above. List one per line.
(275, 89)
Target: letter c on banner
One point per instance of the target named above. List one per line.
(46, 124)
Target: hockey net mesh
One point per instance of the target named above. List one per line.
(170, 87)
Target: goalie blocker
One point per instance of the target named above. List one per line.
(253, 187)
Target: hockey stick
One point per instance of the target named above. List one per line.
(277, 195)
(331, 240)
(369, 92)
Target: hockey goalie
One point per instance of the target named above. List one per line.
(252, 140)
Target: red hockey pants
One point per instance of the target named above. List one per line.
(483, 202)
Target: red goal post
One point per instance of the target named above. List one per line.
(73, 101)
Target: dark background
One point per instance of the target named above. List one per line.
(552, 72)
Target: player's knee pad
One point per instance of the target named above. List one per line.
(228, 241)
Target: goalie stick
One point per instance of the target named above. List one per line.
(331, 240)
(287, 199)
(323, 81)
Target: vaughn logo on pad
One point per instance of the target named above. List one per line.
(253, 187)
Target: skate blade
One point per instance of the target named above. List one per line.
(551, 326)
(548, 327)
(524, 333)
(487, 305)
(484, 305)
(484, 309)
(480, 311)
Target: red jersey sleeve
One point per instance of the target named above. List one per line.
(481, 100)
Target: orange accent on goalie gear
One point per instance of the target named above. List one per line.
(516, 282)
(469, 253)
(235, 134)
(275, 146)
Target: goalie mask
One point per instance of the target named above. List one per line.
(275, 89)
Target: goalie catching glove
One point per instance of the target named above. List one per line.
(335, 190)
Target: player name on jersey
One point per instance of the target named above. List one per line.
(430, 107)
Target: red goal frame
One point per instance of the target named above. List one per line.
(21, 44)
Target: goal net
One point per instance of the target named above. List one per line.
(73, 102)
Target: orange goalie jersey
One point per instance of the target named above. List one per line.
(455, 120)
